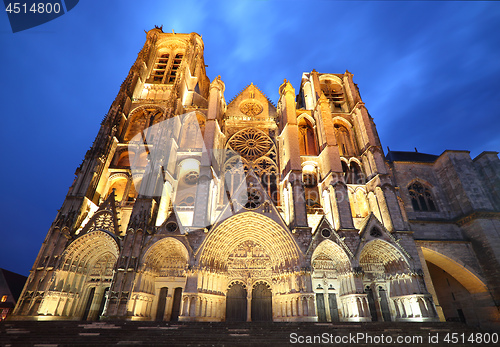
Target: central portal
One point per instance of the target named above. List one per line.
(236, 303)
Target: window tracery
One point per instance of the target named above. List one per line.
(253, 198)
(421, 197)
(251, 143)
(248, 149)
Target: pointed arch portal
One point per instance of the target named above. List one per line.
(262, 310)
(236, 303)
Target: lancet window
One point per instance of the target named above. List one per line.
(307, 142)
(421, 197)
(344, 141)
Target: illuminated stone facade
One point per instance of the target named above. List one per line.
(190, 208)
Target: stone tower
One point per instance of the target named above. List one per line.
(190, 208)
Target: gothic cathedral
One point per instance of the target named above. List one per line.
(191, 208)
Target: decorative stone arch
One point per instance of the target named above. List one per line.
(162, 272)
(355, 160)
(172, 45)
(124, 157)
(336, 79)
(379, 251)
(122, 193)
(166, 257)
(308, 117)
(249, 226)
(90, 246)
(236, 281)
(344, 122)
(333, 255)
(187, 165)
(344, 133)
(453, 268)
(331, 278)
(395, 289)
(81, 277)
(140, 118)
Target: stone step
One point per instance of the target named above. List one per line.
(74, 333)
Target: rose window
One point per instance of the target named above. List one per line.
(253, 199)
(251, 108)
(251, 143)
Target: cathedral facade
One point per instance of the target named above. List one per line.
(191, 208)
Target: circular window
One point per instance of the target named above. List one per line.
(251, 108)
(191, 178)
(251, 143)
(171, 226)
(326, 233)
(253, 199)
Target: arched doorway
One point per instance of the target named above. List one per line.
(331, 267)
(163, 267)
(176, 305)
(252, 246)
(236, 303)
(262, 310)
(82, 278)
(162, 299)
(90, 298)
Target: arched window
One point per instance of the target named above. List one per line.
(421, 197)
(355, 175)
(333, 92)
(139, 122)
(191, 136)
(345, 169)
(119, 185)
(309, 177)
(344, 141)
(307, 143)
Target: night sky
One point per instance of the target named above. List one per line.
(429, 73)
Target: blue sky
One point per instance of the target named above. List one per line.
(429, 73)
